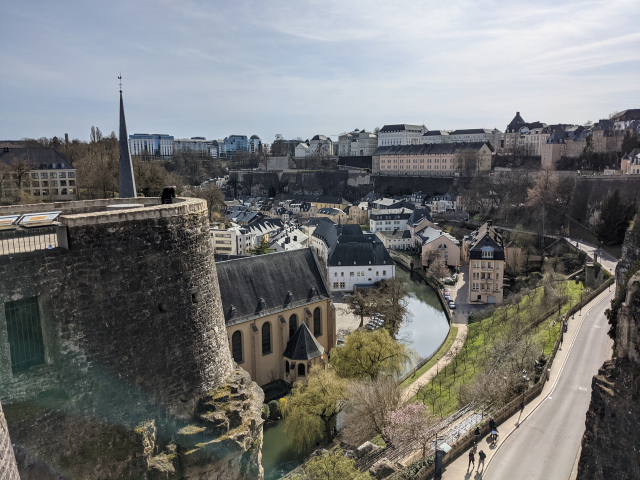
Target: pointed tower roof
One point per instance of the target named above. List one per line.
(303, 345)
(517, 120)
(126, 184)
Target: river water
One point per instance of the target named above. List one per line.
(423, 333)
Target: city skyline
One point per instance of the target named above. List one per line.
(193, 69)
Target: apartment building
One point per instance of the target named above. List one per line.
(389, 219)
(512, 133)
(400, 134)
(155, 144)
(44, 173)
(358, 143)
(483, 250)
(435, 239)
(554, 148)
(193, 145)
(431, 159)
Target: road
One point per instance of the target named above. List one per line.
(546, 444)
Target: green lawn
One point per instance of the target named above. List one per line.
(481, 336)
(453, 331)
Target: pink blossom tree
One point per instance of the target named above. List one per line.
(410, 424)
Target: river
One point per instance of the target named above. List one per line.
(423, 333)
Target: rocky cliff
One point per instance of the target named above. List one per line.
(611, 443)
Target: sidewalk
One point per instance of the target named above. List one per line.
(426, 377)
(457, 470)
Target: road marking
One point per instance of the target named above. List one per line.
(582, 388)
(597, 326)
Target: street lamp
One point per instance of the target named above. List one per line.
(581, 289)
(524, 385)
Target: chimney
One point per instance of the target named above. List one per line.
(66, 138)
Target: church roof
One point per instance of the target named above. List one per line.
(303, 345)
(261, 285)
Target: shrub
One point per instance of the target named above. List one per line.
(265, 411)
(274, 410)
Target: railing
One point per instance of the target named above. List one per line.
(28, 240)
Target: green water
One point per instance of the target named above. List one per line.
(424, 333)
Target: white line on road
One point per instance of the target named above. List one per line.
(582, 388)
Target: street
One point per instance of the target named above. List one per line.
(546, 444)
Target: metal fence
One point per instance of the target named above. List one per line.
(28, 240)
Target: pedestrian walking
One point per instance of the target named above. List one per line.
(472, 459)
(492, 424)
(481, 457)
(476, 432)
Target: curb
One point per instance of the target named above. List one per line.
(552, 388)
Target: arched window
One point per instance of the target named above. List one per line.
(266, 338)
(293, 324)
(286, 366)
(317, 322)
(301, 369)
(236, 346)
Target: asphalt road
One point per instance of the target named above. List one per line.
(546, 444)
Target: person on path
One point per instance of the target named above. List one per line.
(481, 457)
(476, 432)
(168, 194)
(492, 424)
(472, 459)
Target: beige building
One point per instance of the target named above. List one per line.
(431, 239)
(44, 173)
(483, 250)
(553, 149)
(278, 313)
(431, 159)
(630, 163)
(358, 213)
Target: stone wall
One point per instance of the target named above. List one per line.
(134, 335)
(8, 468)
(611, 441)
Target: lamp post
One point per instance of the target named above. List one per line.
(581, 289)
(524, 385)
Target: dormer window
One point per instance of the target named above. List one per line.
(487, 253)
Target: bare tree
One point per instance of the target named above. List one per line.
(438, 268)
(369, 402)
(543, 193)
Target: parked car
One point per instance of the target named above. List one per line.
(447, 296)
(446, 291)
(452, 305)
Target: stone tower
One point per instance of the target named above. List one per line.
(126, 182)
(132, 367)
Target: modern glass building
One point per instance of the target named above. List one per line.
(157, 144)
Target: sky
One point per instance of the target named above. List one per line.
(302, 68)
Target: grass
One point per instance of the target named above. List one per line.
(442, 351)
(481, 338)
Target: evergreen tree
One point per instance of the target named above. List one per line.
(262, 248)
(615, 215)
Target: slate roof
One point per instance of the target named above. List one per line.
(434, 133)
(397, 233)
(557, 136)
(40, 157)
(430, 234)
(329, 232)
(302, 345)
(258, 286)
(360, 253)
(428, 148)
(517, 120)
(418, 214)
(321, 138)
(314, 222)
(471, 131)
(485, 236)
(400, 127)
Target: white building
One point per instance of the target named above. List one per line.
(357, 143)
(156, 144)
(441, 204)
(396, 239)
(401, 134)
(358, 260)
(388, 219)
(435, 136)
(193, 145)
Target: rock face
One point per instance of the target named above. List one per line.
(611, 444)
(8, 468)
(135, 351)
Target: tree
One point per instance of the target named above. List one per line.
(369, 403)
(361, 304)
(331, 465)
(543, 194)
(438, 268)
(615, 215)
(214, 197)
(262, 248)
(312, 407)
(369, 355)
(393, 303)
(410, 424)
(21, 167)
(467, 160)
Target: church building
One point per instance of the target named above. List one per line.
(278, 313)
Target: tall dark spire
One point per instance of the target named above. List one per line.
(126, 184)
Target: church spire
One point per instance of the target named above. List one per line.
(126, 184)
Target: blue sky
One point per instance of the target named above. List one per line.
(300, 68)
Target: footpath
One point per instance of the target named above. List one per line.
(457, 470)
(459, 320)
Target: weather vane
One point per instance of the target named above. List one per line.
(120, 78)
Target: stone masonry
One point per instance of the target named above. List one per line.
(134, 342)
